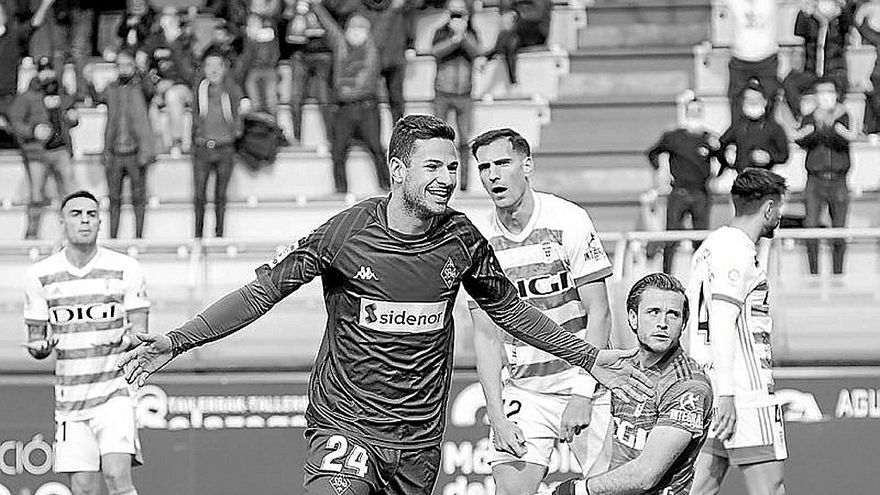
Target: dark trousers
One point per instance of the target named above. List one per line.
(39, 166)
(74, 41)
(358, 120)
(117, 168)
(394, 77)
(796, 83)
(741, 71)
(463, 106)
(680, 203)
(818, 193)
(316, 68)
(206, 159)
(509, 43)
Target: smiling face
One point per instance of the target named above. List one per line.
(659, 320)
(80, 221)
(427, 183)
(504, 172)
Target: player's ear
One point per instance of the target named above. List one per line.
(768, 208)
(528, 166)
(633, 319)
(397, 169)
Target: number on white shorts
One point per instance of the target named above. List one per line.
(356, 460)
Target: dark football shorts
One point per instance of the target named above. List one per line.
(340, 464)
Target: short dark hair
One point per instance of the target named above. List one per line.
(517, 142)
(78, 194)
(754, 186)
(412, 128)
(661, 281)
(215, 51)
(823, 80)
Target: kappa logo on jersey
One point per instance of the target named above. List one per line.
(365, 273)
(449, 273)
(543, 285)
(60, 315)
(402, 317)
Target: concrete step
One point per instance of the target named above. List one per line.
(623, 83)
(722, 23)
(643, 35)
(632, 59)
(670, 11)
(711, 72)
(629, 123)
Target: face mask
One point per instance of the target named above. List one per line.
(752, 111)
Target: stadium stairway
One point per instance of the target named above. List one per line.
(633, 58)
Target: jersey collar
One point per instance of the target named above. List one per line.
(530, 226)
(80, 272)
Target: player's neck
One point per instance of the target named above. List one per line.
(400, 219)
(79, 255)
(517, 216)
(752, 229)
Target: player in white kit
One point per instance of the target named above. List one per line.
(730, 332)
(549, 249)
(94, 301)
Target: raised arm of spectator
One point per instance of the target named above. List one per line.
(334, 31)
(445, 43)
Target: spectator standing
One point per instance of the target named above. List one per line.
(136, 25)
(824, 28)
(355, 79)
(129, 143)
(72, 38)
(172, 90)
(757, 139)
(261, 55)
(868, 23)
(42, 118)
(390, 29)
(690, 150)
(311, 61)
(455, 48)
(524, 23)
(826, 136)
(754, 51)
(14, 39)
(216, 124)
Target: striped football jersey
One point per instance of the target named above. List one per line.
(725, 267)
(557, 252)
(86, 309)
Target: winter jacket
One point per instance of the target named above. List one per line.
(750, 135)
(827, 151)
(28, 110)
(455, 61)
(129, 100)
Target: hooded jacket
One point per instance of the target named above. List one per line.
(827, 151)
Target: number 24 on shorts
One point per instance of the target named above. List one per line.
(356, 460)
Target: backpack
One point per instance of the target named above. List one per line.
(259, 142)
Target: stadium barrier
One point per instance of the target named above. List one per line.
(207, 434)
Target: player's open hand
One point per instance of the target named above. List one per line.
(508, 438)
(724, 424)
(613, 369)
(576, 417)
(41, 348)
(152, 353)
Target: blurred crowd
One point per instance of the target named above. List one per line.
(347, 56)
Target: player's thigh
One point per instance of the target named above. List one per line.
(340, 462)
(114, 427)
(764, 478)
(416, 472)
(709, 472)
(518, 478)
(76, 448)
(85, 483)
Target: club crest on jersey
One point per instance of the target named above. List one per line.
(547, 248)
(340, 483)
(449, 273)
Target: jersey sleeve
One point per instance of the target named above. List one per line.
(727, 275)
(686, 405)
(135, 298)
(36, 308)
(586, 257)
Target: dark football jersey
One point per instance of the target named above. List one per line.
(384, 367)
(682, 399)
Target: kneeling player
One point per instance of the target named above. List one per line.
(655, 443)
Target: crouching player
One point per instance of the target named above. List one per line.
(656, 442)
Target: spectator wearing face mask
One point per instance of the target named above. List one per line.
(757, 140)
(455, 48)
(42, 118)
(355, 80)
(129, 143)
(824, 25)
(690, 150)
(826, 135)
